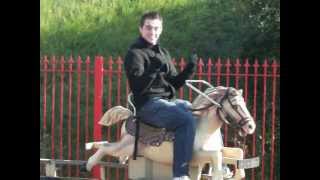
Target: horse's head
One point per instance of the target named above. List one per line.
(232, 110)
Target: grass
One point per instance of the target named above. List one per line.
(91, 27)
(108, 27)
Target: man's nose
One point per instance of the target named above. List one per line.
(153, 31)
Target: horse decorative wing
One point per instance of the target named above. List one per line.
(114, 115)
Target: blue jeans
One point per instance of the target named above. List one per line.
(175, 116)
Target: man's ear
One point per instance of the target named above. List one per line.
(140, 29)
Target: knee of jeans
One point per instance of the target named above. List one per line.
(183, 103)
(191, 121)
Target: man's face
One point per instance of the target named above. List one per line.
(151, 30)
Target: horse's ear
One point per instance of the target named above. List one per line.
(240, 91)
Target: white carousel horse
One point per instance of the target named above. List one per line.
(210, 117)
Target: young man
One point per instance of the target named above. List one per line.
(153, 80)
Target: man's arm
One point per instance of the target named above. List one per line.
(178, 80)
(135, 71)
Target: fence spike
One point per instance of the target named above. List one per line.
(88, 60)
(237, 64)
(71, 61)
(228, 63)
(119, 61)
(79, 61)
(246, 64)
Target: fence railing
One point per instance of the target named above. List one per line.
(75, 93)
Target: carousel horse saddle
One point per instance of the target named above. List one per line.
(148, 134)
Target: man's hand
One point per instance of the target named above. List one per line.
(194, 58)
(193, 61)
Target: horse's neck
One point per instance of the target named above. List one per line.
(209, 121)
(208, 131)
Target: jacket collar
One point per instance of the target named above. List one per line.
(142, 43)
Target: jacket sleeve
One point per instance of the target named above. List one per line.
(178, 80)
(135, 71)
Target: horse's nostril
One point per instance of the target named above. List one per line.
(250, 126)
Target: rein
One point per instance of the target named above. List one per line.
(227, 119)
(203, 108)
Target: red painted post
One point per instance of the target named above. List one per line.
(110, 73)
(237, 65)
(273, 116)
(109, 96)
(218, 70)
(79, 62)
(254, 110)
(45, 63)
(53, 97)
(97, 108)
(209, 74)
(190, 90)
(264, 110)
(70, 113)
(87, 103)
(119, 62)
(228, 65)
(61, 104)
(110, 69)
(246, 74)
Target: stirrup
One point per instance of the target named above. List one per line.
(83, 168)
(226, 172)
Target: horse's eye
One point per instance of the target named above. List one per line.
(233, 93)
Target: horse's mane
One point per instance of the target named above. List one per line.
(215, 93)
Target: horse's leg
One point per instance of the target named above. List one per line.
(215, 159)
(109, 149)
(195, 172)
(236, 153)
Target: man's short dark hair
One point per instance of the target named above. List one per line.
(150, 15)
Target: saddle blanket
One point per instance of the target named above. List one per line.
(149, 135)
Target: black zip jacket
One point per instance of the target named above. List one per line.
(151, 73)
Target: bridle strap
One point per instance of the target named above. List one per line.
(203, 108)
(243, 121)
(220, 109)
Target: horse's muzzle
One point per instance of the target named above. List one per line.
(249, 127)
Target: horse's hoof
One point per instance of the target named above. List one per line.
(89, 146)
(83, 167)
